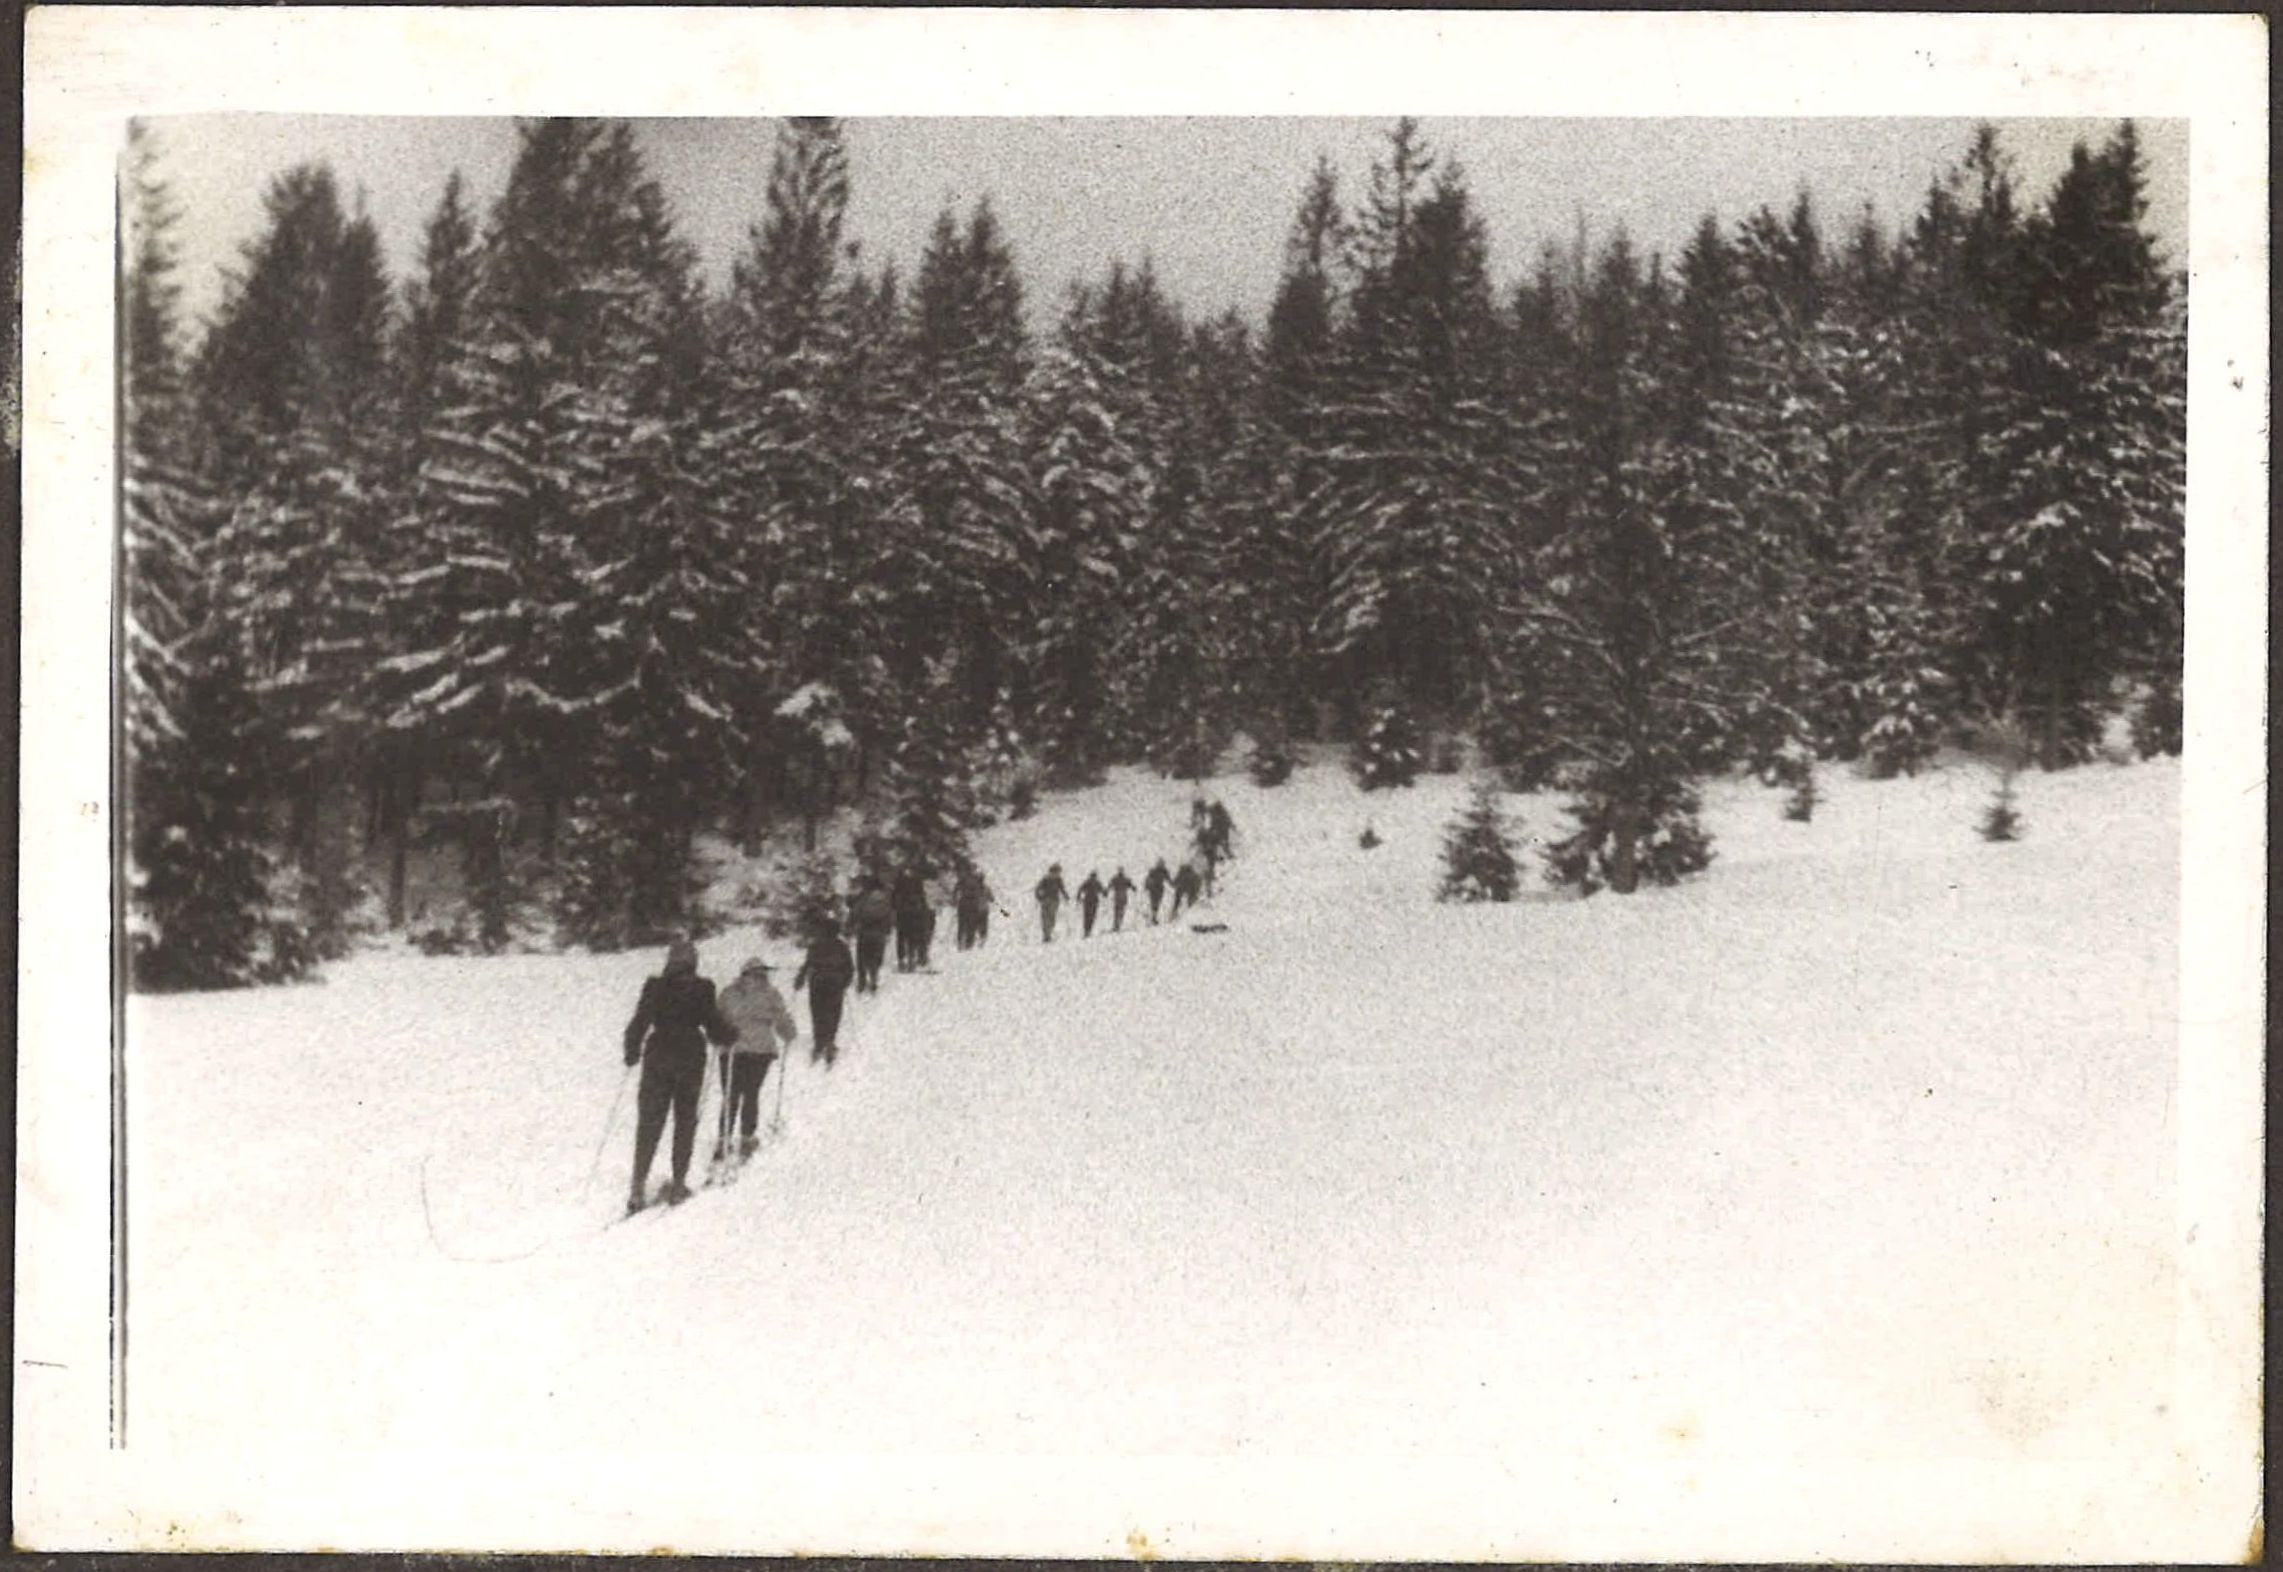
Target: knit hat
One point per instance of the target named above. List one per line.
(756, 964)
(681, 955)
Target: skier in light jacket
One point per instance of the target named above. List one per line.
(764, 1025)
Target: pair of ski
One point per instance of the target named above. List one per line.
(721, 1173)
(731, 1154)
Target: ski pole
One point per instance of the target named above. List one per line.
(728, 1106)
(784, 1068)
(595, 1167)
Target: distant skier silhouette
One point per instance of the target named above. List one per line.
(874, 918)
(1185, 887)
(826, 973)
(1121, 888)
(1051, 893)
(1089, 902)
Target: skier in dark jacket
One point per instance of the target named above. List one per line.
(1121, 889)
(963, 907)
(924, 931)
(1051, 893)
(1185, 886)
(873, 918)
(1220, 832)
(1154, 882)
(1090, 901)
(910, 899)
(825, 973)
(667, 1037)
(972, 899)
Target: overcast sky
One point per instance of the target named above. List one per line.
(1208, 199)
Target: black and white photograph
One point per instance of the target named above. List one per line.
(1145, 828)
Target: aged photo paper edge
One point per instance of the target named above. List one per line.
(88, 70)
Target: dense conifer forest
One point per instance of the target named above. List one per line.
(554, 562)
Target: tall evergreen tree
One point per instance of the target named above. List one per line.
(2081, 521)
(1271, 472)
(955, 561)
(792, 436)
(199, 870)
(296, 399)
(1630, 608)
(437, 319)
(159, 492)
(1415, 503)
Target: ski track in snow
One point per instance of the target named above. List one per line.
(1859, 1145)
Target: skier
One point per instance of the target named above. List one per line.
(1090, 901)
(974, 898)
(1154, 882)
(924, 933)
(667, 1037)
(1121, 888)
(1184, 888)
(873, 917)
(1220, 831)
(1051, 893)
(825, 972)
(764, 1026)
(1205, 861)
(963, 906)
(910, 898)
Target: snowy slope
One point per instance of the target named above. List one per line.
(1859, 1146)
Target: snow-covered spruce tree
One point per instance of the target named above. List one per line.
(160, 494)
(201, 913)
(2076, 518)
(1640, 617)
(1272, 758)
(1478, 850)
(416, 624)
(1186, 622)
(1805, 797)
(295, 393)
(2001, 820)
(806, 898)
(2157, 725)
(934, 794)
(799, 345)
(1268, 473)
(1389, 749)
(1517, 724)
(811, 737)
(998, 761)
(593, 902)
(1091, 491)
(198, 866)
(955, 565)
(587, 603)
(1414, 510)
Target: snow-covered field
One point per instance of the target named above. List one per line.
(1859, 1146)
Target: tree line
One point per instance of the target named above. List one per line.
(553, 555)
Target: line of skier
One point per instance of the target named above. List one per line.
(750, 1023)
(1214, 842)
